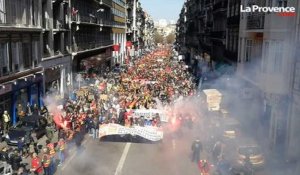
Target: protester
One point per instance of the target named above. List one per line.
(46, 161)
(61, 151)
(196, 150)
(51, 152)
(6, 121)
(36, 166)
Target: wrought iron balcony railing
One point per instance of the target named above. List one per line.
(233, 20)
(218, 34)
(82, 46)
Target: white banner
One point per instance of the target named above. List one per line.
(147, 132)
(149, 113)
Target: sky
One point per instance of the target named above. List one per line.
(163, 9)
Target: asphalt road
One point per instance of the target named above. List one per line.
(112, 158)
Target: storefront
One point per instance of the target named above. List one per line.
(5, 98)
(24, 91)
(96, 64)
(52, 80)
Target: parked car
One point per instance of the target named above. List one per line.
(253, 152)
(24, 128)
(230, 128)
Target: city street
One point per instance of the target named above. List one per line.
(149, 87)
(112, 158)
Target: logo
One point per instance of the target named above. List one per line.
(281, 11)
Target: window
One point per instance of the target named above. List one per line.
(278, 50)
(270, 3)
(27, 60)
(2, 12)
(4, 58)
(248, 50)
(297, 78)
(240, 45)
(282, 3)
(15, 55)
(265, 57)
(35, 52)
(237, 9)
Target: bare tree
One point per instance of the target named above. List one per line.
(171, 38)
(158, 38)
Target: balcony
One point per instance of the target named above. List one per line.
(218, 34)
(13, 76)
(220, 5)
(89, 46)
(234, 20)
(255, 21)
(201, 13)
(208, 3)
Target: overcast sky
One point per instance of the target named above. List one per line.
(163, 9)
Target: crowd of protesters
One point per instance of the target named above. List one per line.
(152, 80)
(155, 79)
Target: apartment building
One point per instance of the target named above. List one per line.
(131, 27)
(91, 34)
(293, 140)
(135, 28)
(148, 31)
(219, 27)
(232, 31)
(119, 31)
(21, 74)
(56, 55)
(181, 31)
(211, 32)
(266, 59)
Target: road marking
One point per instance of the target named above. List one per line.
(122, 160)
(73, 155)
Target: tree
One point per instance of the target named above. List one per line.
(158, 38)
(171, 38)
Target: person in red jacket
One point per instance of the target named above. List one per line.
(51, 148)
(204, 167)
(36, 166)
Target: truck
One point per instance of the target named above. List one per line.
(213, 99)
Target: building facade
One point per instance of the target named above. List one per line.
(91, 44)
(210, 29)
(136, 21)
(131, 28)
(148, 32)
(293, 122)
(119, 31)
(21, 73)
(56, 57)
(266, 60)
(262, 49)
